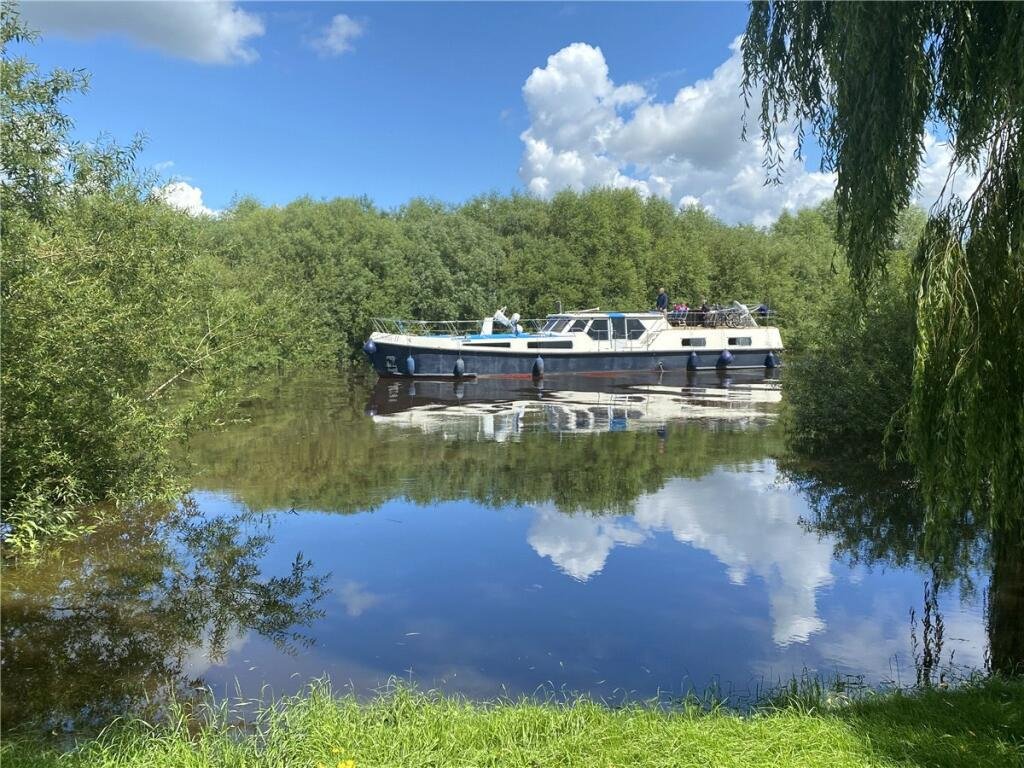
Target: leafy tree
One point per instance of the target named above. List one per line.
(603, 231)
(678, 259)
(455, 261)
(35, 148)
(1006, 602)
(847, 390)
(109, 298)
(868, 79)
(87, 323)
(74, 329)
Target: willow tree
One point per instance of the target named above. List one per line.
(867, 80)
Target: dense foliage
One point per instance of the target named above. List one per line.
(350, 261)
(868, 79)
(108, 297)
(848, 390)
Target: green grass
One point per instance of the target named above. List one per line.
(978, 724)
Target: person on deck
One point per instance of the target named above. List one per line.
(662, 304)
(702, 313)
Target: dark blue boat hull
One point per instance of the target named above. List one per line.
(394, 360)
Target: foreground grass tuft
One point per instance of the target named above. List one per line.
(980, 724)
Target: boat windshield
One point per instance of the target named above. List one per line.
(635, 328)
(556, 324)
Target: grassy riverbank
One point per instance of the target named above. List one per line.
(979, 724)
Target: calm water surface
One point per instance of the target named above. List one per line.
(623, 539)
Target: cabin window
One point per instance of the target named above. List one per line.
(739, 341)
(634, 328)
(599, 330)
(555, 324)
(488, 344)
(578, 325)
(696, 341)
(567, 344)
(618, 327)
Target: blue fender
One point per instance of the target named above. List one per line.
(771, 361)
(692, 361)
(370, 348)
(460, 368)
(410, 365)
(538, 368)
(724, 359)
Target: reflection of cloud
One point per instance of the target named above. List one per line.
(746, 521)
(356, 598)
(751, 526)
(877, 640)
(199, 659)
(578, 545)
(880, 638)
(966, 634)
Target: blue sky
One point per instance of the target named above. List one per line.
(422, 99)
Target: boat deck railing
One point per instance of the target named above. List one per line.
(398, 326)
(719, 316)
(737, 315)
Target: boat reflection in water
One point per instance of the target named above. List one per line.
(502, 409)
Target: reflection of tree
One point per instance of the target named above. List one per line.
(878, 517)
(309, 445)
(108, 621)
(928, 651)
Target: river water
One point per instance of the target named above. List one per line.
(621, 539)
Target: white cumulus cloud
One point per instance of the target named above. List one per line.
(205, 31)
(184, 197)
(934, 183)
(586, 130)
(339, 36)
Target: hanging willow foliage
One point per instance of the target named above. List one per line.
(867, 79)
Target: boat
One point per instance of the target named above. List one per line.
(588, 341)
(503, 409)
